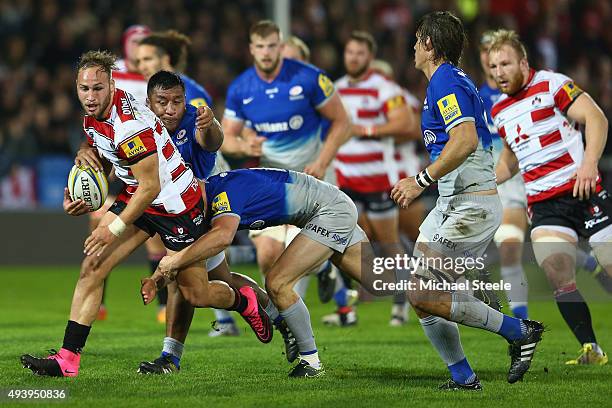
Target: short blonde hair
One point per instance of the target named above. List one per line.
(503, 37)
(300, 45)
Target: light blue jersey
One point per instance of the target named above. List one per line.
(452, 99)
(284, 111)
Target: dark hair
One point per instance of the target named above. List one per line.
(164, 80)
(105, 60)
(264, 28)
(170, 43)
(366, 38)
(446, 33)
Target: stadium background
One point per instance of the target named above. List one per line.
(40, 42)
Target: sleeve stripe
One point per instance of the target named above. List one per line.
(458, 121)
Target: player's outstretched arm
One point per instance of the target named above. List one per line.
(339, 132)
(209, 133)
(507, 166)
(585, 111)
(208, 245)
(401, 125)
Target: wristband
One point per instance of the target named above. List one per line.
(117, 227)
(423, 179)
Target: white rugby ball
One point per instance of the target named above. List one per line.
(89, 185)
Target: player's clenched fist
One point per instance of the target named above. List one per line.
(405, 191)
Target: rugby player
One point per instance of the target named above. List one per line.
(279, 104)
(468, 210)
(365, 165)
(197, 136)
(258, 198)
(168, 51)
(538, 117)
(161, 195)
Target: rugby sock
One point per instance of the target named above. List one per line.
(468, 310)
(75, 336)
(576, 313)
(340, 292)
(272, 312)
(173, 349)
(298, 320)
(223, 316)
(444, 336)
(585, 261)
(517, 294)
(162, 295)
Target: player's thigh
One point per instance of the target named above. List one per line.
(192, 281)
(220, 271)
(155, 246)
(299, 257)
(116, 252)
(385, 228)
(554, 248)
(364, 223)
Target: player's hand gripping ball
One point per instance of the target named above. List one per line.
(89, 185)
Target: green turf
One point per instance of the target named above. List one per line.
(368, 365)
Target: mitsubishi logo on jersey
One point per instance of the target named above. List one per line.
(536, 101)
(519, 136)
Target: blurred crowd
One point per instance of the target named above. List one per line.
(42, 39)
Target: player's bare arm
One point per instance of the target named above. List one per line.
(237, 146)
(507, 166)
(401, 125)
(146, 171)
(339, 132)
(209, 133)
(208, 245)
(585, 111)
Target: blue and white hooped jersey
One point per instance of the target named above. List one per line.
(283, 110)
(195, 93)
(489, 97)
(451, 99)
(200, 160)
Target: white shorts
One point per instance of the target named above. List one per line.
(213, 262)
(277, 233)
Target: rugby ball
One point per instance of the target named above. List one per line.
(89, 185)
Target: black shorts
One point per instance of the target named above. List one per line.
(374, 204)
(177, 232)
(586, 217)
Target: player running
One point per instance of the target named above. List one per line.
(280, 104)
(161, 195)
(468, 211)
(187, 126)
(538, 117)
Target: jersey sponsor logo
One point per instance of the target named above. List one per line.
(326, 85)
(429, 137)
(198, 102)
(272, 127)
(246, 101)
(270, 92)
(591, 223)
(220, 204)
(134, 147)
(319, 230)
(445, 241)
(449, 108)
(572, 90)
(180, 137)
(296, 122)
(125, 107)
(395, 102)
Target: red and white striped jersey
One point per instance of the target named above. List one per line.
(132, 132)
(367, 165)
(408, 161)
(547, 144)
(130, 82)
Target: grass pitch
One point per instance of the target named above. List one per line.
(370, 364)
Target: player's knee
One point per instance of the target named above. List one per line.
(92, 269)
(416, 296)
(275, 286)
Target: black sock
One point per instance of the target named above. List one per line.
(576, 313)
(162, 295)
(75, 336)
(240, 302)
